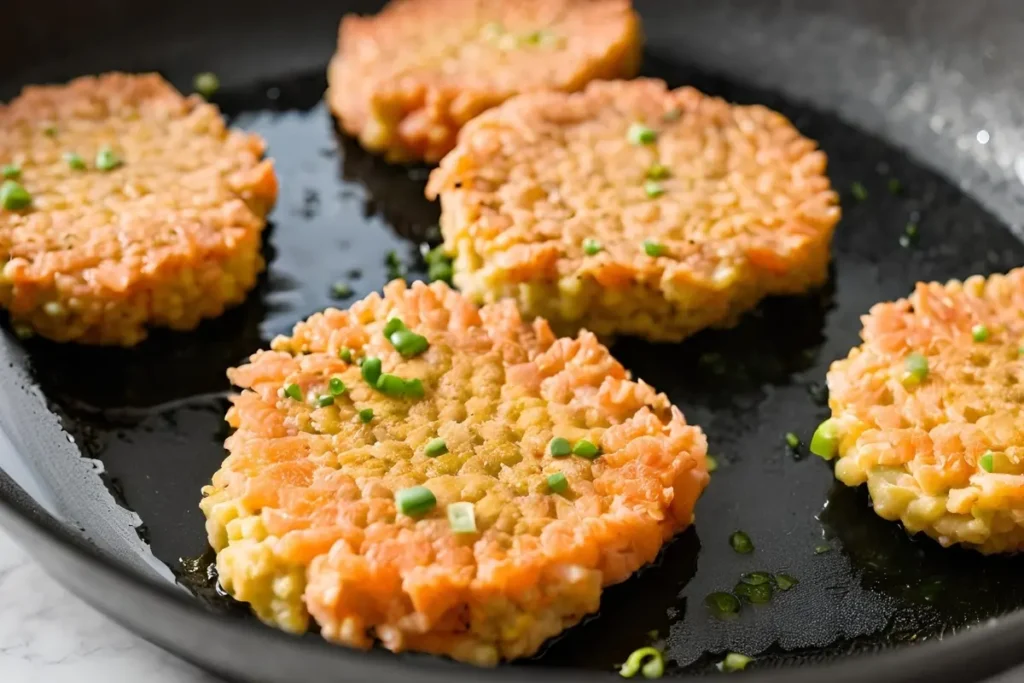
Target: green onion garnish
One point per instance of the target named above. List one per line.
(365, 415)
(758, 594)
(895, 186)
(107, 160)
(393, 324)
(10, 172)
(986, 461)
(825, 441)
(557, 483)
(734, 661)
(654, 667)
(415, 501)
(325, 400)
(345, 354)
(822, 549)
(859, 192)
(206, 84)
(653, 188)
(336, 386)
(722, 604)
(371, 370)
(909, 236)
(591, 246)
(639, 134)
(559, 447)
(341, 290)
(414, 388)
(435, 447)
(408, 343)
(658, 172)
(792, 440)
(917, 370)
(756, 578)
(784, 582)
(652, 248)
(586, 449)
(442, 272)
(74, 161)
(394, 264)
(462, 518)
(979, 333)
(741, 543)
(293, 391)
(13, 196)
(711, 462)
(390, 385)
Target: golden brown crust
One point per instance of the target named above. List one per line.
(919, 445)
(406, 80)
(745, 209)
(303, 508)
(168, 238)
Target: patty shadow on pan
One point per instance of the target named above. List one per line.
(153, 416)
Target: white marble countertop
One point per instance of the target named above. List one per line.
(48, 635)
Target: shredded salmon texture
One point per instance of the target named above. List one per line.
(713, 207)
(302, 512)
(165, 237)
(943, 454)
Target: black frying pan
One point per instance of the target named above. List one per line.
(891, 90)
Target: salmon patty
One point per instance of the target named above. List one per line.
(133, 206)
(434, 477)
(633, 209)
(406, 80)
(929, 412)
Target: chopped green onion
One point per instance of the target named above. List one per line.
(435, 447)
(825, 441)
(909, 236)
(206, 84)
(758, 594)
(371, 370)
(14, 197)
(917, 370)
(734, 661)
(586, 449)
(436, 255)
(722, 604)
(391, 385)
(293, 391)
(345, 354)
(822, 549)
(784, 582)
(559, 447)
(792, 440)
(107, 160)
(895, 186)
(658, 172)
(414, 388)
(462, 518)
(408, 343)
(10, 172)
(441, 272)
(74, 161)
(653, 188)
(341, 290)
(741, 543)
(365, 415)
(325, 400)
(756, 578)
(653, 668)
(979, 333)
(336, 386)
(591, 246)
(859, 192)
(986, 461)
(415, 501)
(639, 134)
(711, 462)
(652, 248)
(393, 325)
(557, 483)
(394, 264)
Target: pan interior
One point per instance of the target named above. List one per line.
(153, 415)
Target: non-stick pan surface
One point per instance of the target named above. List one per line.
(96, 433)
